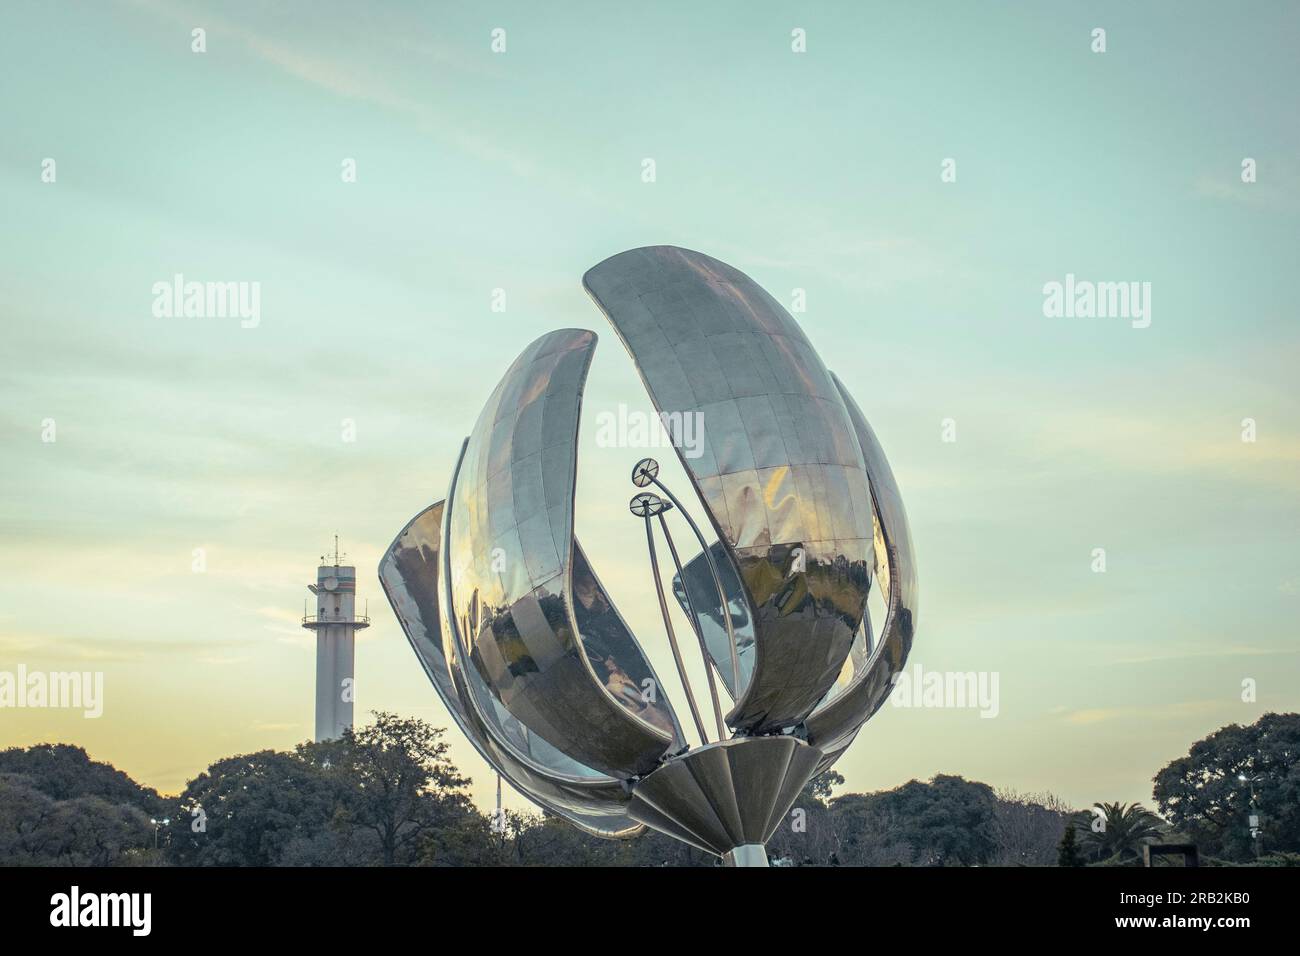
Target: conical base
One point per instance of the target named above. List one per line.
(727, 795)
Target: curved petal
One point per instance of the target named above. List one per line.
(513, 596)
(779, 471)
(409, 573)
(833, 725)
(695, 588)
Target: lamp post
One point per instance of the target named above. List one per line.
(1256, 831)
(158, 825)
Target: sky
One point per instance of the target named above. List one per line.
(518, 170)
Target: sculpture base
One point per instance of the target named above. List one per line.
(727, 798)
(751, 854)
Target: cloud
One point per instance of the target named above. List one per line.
(267, 725)
(1277, 189)
(220, 661)
(32, 647)
(1175, 711)
(351, 81)
(1181, 654)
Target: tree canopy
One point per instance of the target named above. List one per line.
(387, 794)
(1207, 794)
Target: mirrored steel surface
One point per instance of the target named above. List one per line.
(833, 725)
(703, 595)
(726, 795)
(751, 854)
(533, 660)
(718, 719)
(780, 474)
(859, 655)
(409, 573)
(513, 595)
(475, 695)
(648, 470)
(678, 661)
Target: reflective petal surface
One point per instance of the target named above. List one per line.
(833, 725)
(409, 573)
(780, 471)
(515, 600)
(522, 642)
(704, 597)
(727, 794)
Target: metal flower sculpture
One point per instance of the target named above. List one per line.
(527, 650)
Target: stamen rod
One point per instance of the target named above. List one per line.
(717, 582)
(699, 632)
(672, 637)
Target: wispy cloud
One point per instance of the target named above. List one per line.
(1165, 655)
(1276, 190)
(112, 650)
(353, 80)
(1175, 711)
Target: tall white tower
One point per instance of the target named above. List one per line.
(336, 623)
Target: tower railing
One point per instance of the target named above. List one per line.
(362, 619)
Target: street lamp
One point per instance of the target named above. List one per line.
(1253, 819)
(158, 825)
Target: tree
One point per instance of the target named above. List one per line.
(27, 834)
(1115, 832)
(467, 840)
(946, 822)
(260, 809)
(866, 834)
(1027, 828)
(59, 807)
(1204, 793)
(37, 830)
(1068, 851)
(64, 772)
(807, 835)
(95, 832)
(395, 781)
(820, 786)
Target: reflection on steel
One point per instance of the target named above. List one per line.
(695, 585)
(509, 523)
(695, 621)
(780, 471)
(528, 652)
(644, 506)
(726, 795)
(646, 472)
(411, 578)
(833, 725)
(751, 854)
(647, 505)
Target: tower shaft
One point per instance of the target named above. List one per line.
(335, 623)
(335, 680)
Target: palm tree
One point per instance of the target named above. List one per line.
(1116, 831)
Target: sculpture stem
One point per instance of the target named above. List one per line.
(699, 631)
(717, 582)
(672, 637)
